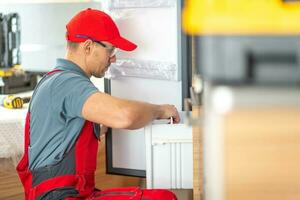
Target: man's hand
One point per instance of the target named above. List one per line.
(168, 111)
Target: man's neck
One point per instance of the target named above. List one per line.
(79, 62)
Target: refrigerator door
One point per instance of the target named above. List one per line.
(151, 73)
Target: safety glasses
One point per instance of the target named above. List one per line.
(111, 50)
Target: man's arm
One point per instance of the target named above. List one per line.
(126, 114)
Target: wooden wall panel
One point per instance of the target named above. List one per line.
(262, 148)
(197, 156)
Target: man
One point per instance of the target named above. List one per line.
(61, 135)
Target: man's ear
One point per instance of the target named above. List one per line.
(87, 46)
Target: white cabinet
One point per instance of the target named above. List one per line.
(169, 157)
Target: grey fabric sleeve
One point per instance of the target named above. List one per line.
(69, 93)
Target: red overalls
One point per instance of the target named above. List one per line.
(83, 178)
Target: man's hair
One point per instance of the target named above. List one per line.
(72, 45)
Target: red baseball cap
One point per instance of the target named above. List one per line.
(98, 26)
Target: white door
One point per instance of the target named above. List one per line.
(151, 73)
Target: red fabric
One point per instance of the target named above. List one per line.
(85, 157)
(53, 72)
(158, 194)
(96, 25)
(22, 167)
(86, 149)
(54, 183)
(130, 193)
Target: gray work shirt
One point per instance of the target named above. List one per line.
(55, 113)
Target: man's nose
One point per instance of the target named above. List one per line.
(112, 59)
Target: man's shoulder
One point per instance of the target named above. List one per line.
(70, 78)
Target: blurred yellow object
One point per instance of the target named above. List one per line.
(242, 17)
(6, 73)
(12, 102)
(18, 70)
(15, 70)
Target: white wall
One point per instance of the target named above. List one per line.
(43, 32)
